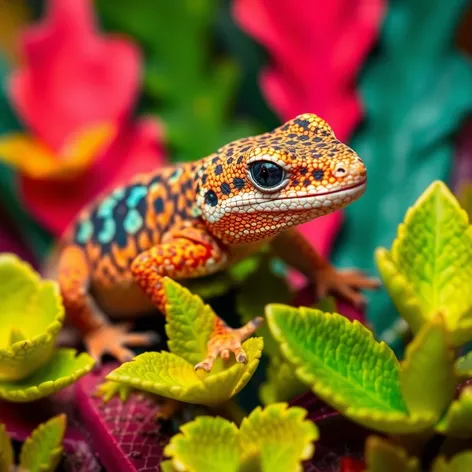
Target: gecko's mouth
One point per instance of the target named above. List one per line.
(331, 192)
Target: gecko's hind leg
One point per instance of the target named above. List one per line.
(99, 336)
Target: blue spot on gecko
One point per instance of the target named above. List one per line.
(136, 195)
(85, 232)
(133, 222)
(105, 210)
(108, 231)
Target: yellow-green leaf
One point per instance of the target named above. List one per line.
(457, 421)
(41, 452)
(169, 375)
(189, 322)
(427, 379)
(384, 456)
(282, 383)
(206, 444)
(430, 263)
(259, 289)
(463, 367)
(35, 306)
(278, 438)
(270, 440)
(6, 451)
(62, 370)
(109, 389)
(461, 462)
(345, 366)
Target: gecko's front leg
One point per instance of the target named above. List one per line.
(292, 247)
(187, 253)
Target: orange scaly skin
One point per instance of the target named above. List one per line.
(198, 218)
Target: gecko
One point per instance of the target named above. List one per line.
(194, 219)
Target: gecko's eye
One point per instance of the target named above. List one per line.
(266, 174)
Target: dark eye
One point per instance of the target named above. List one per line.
(267, 174)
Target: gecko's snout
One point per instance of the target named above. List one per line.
(350, 169)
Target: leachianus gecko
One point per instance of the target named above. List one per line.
(197, 218)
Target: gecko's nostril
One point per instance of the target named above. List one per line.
(340, 171)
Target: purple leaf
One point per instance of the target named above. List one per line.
(126, 436)
(21, 418)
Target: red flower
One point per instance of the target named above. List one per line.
(75, 93)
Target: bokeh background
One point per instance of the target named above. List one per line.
(93, 91)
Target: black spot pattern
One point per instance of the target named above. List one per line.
(318, 174)
(218, 170)
(239, 183)
(225, 188)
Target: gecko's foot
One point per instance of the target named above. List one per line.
(112, 339)
(345, 283)
(225, 341)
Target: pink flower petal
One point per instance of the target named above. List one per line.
(73, 76)
(317, 49)
(55, 203)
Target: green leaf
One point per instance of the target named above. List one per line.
(279, 437)
(270, 440)
(259, 289)
(189, 322)
(430, 263)
(457, 421)
(6, 451)
(62, 370)
(427, 379)
(41, 452)
(169, 375)
(36, 306)
(384, 456)
(166, 466)
(345, 366)
(205, 445)
(459, 463)
(109, 389)
(463, 366)
(282, 383)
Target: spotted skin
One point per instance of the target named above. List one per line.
(198, 218)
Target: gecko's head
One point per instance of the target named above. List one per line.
(254, 188)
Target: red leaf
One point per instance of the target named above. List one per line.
(21, 418)
(73, 77)
(348, 464)
(317, 49)
(55, 203)
(126, 436)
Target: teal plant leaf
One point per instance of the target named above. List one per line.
(41, 452)
(457, 421)
(427, 379)
(429, 263)
(407, 140)
(171, 374)
(345, 367)
(275, 439)
(459, 463)
(62, 370)
(6, 451)
(34, 304)
(384, 456)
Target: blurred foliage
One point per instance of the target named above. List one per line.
(416, 90)
(37, 239)
(186, 83)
